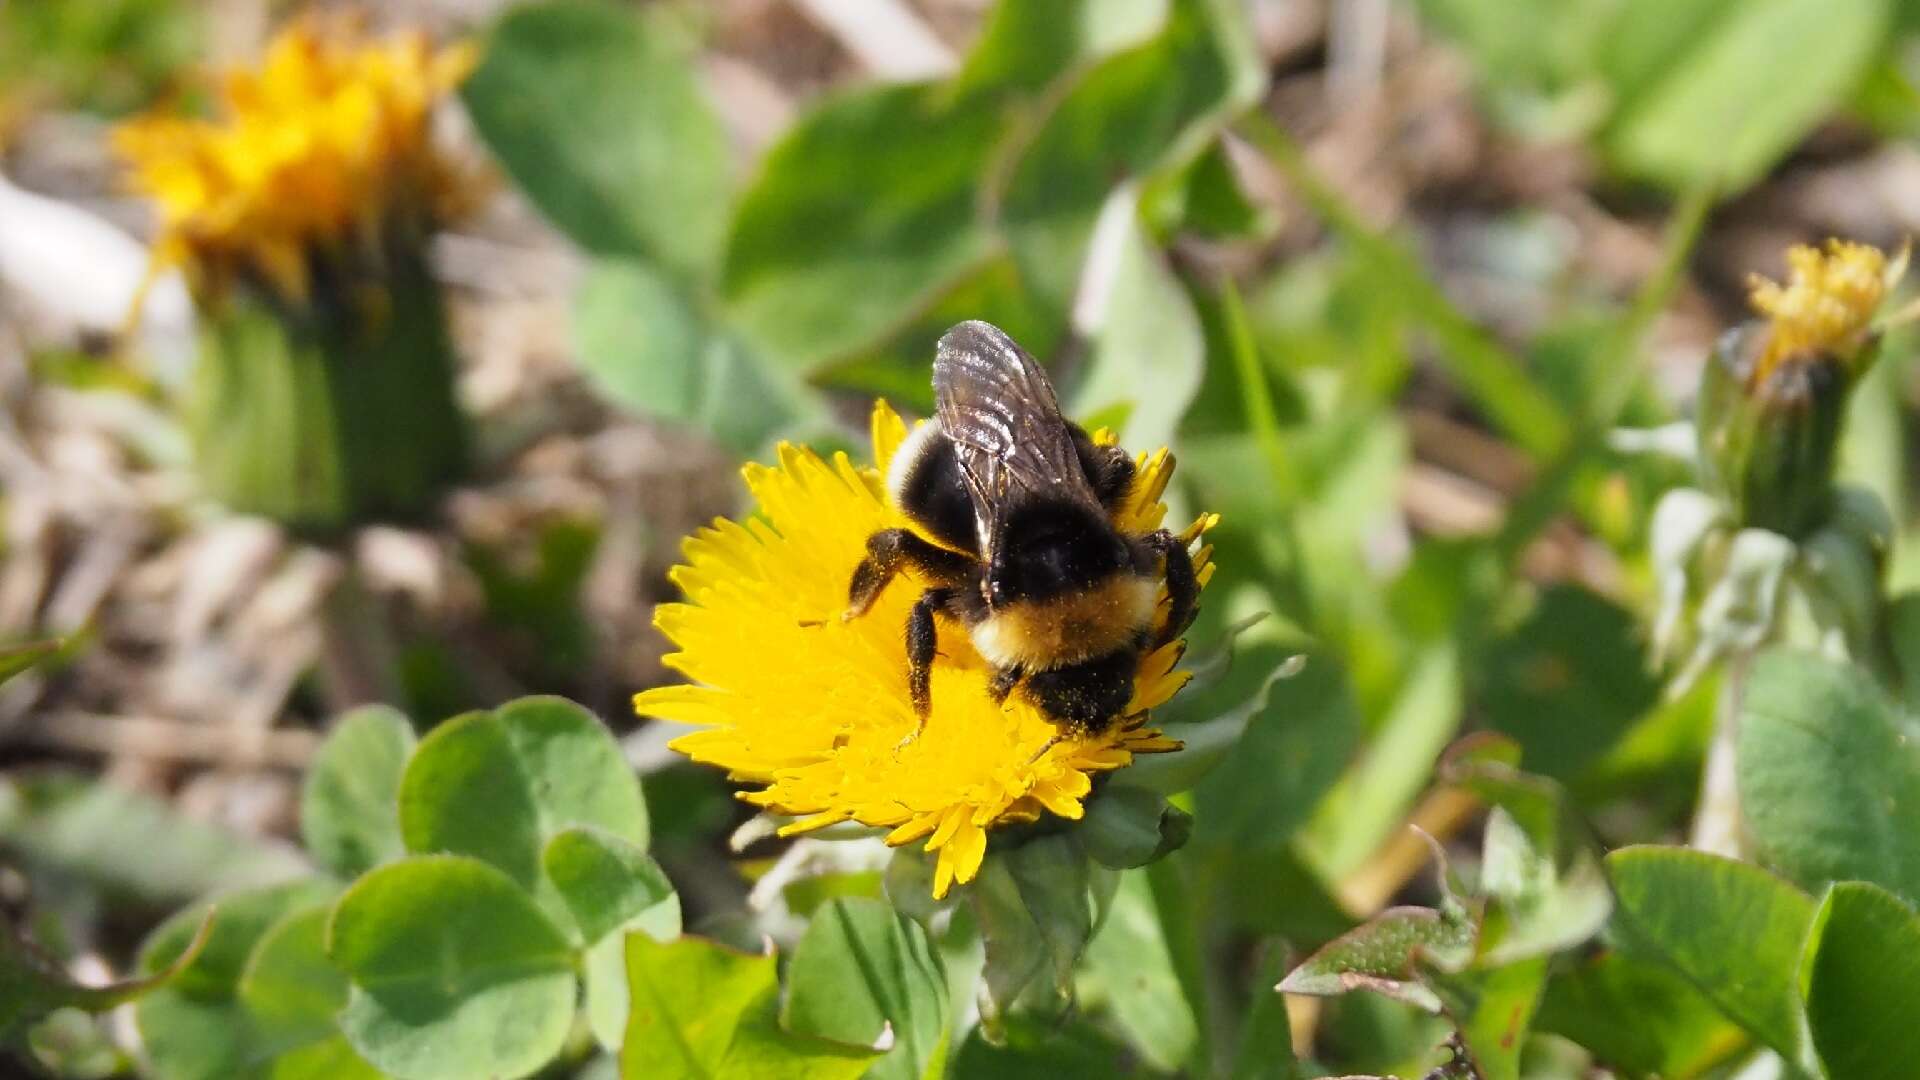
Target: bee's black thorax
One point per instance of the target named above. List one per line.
(1050, 549)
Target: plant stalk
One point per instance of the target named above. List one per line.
(1717, 827)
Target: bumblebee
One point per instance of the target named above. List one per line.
(1012, 510)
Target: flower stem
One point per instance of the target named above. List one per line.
(1716, 823)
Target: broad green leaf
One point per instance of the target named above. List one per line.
(1638, 1017)
(1129, 969)
(1494, 1007)
(1266, 1039)
(1297, 735)
(1540, 905)
(1036, 1049)
(121, 839)
(609, 883)
(901, 369)
(289, 989)
(861, 214)
(861, 968)
(703, 1011)
(350, 805)
(1147, 351)
(333, 1058)
(1731, 929)
(196, 1025)
(456, 972)
(1127, 827)
(611, 887)
(1750, 85)
(499, 785)
(1829, 775)
(1155, 104)
(1026, 46)
(1214, 741)
(1568, 681)
(597, 112)
(1387, 955)
(643, 340)
(1035, 908)
(1862, 978)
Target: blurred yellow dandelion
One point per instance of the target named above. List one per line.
(325, 146)
(1827, 305)
(814, 710)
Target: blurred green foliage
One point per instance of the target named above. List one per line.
(472, 895)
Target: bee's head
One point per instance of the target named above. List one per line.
(1047, 549)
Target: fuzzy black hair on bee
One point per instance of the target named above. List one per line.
(1012, 511)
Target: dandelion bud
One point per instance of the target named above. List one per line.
(300, 214)
(1775, 389)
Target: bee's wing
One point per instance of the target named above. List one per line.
(995, 402)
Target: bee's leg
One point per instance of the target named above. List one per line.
(1004, 681)
(922, 638)
(1183, 588)
(887, 551)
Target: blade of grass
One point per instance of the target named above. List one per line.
(1255, 395)
(1496, 380)
(1622, 362)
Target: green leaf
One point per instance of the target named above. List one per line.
(1131, 114)
(350, 806)
(1266, 1039)
(597, 112)
(289, 988)
(125, 840)
(1035, 908)
(1207, 743)
(499, 785)
(1026, 46)
(1387, 955)
(1638, 1017)
(196, 1026)
(1034, 1048)
(611, 887)
(1829, 775)
(643, 340)
(1300, 734)
(701, 1010)
(1494, 1007)
(1862, 975)
(861, 214)
(609, 883)
(1750, 85)
(1568, 681)
(1732, 929)
(1147, 350)
(456, 972)
(1129, 968)
(1127, 827)
(862, 967)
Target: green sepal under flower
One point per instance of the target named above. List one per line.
(333, 413)
(1769, 434)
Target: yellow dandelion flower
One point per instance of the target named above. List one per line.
(1827, 305)
(324, 146)
(816, 711)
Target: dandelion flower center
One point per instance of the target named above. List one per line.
(1827, 304)
(813, 711)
